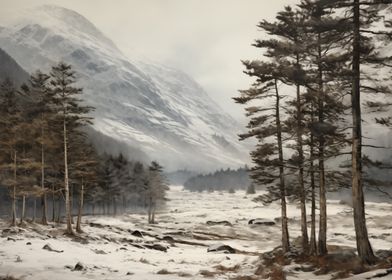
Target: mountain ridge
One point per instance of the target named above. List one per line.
(154, 107)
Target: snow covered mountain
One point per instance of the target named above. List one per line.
(155, 108)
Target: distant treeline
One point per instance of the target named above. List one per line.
(220, 180)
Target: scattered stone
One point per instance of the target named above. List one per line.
(18, 259)
(68, 266)
(9, 231)
(168, 238)
(223, 223)
(164, 271)
(99, 252)
(157, 247)
(28, 243)
(49, 248)
(137, 233)
(130, 273)
(221, 248)
(79, 267)
(264, 222)
(123, 248)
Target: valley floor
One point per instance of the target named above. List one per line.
(185, 230)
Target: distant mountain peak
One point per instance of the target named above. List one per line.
(148, 106)
(63, 20)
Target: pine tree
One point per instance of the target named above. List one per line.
(72, 116)
(41, 110)
(155, 189)
(288, 50)
(265, 123)
(362, 18)
(83, 169)
(323, 33)
(10, 137)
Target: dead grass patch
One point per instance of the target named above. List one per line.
(222, 268)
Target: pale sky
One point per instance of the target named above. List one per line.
(205, 38)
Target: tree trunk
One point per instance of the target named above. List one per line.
(79, 221)
(59, 210)
(22, 216)
(285, 231)
(13, 221)
(313, 245)
(69, 229)
(43, 198)
(34, 210)
(124, 203)
(364, 248)
(302, 192)
(71, 202)
(114, 207)
(53, 205)
(153, 214)
(322, 242)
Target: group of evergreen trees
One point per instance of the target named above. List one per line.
(319, 59)
(44, 151)
(220, 180)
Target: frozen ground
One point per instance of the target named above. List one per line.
(108, 250)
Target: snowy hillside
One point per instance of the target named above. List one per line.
(155, 108)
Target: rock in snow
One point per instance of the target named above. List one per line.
(224, 223)
(220, 247)
(264, 222)
(137, 233)
(49, 248)
(79, 266)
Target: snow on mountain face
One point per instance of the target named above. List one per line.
(160, 110)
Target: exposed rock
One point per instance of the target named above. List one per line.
(221, 248)
(223, 223)
(11, 239)
(49, 248)
(137, 233)
(79, 267)
(168, 238)
(157, 247)
(99, 252)
(264, 222)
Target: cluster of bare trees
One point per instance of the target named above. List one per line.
(44, 151)
(305, 108)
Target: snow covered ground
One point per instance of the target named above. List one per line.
(185, 229)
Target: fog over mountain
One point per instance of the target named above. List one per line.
(148, 106)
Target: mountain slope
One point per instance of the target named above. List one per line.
(152, 107)
(9, 68)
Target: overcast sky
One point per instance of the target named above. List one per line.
(205, 38)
